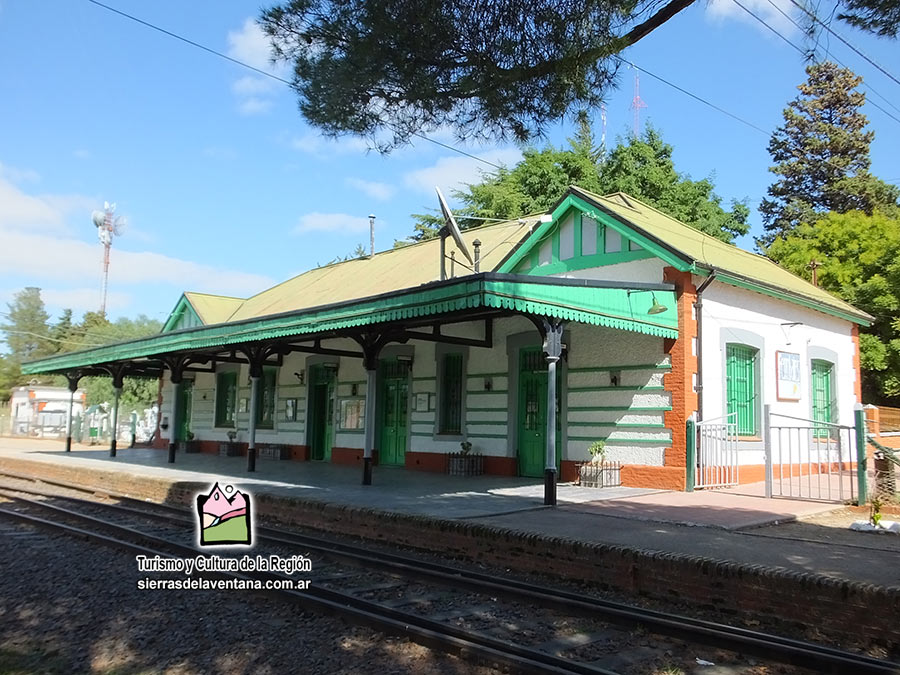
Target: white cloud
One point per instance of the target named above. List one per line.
(251, 86)
(250, 45)
(73, 260)
(322, 146)
(81, 153)
(19, 175)
(254, 106)
(380, 191)
(722, 10)
(454, 172)
(332, 222)
(84, 299)
(47, 213)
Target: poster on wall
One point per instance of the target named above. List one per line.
(788, 380)
(353, 413)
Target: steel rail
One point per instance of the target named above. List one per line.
(429, 633)
(786, 650)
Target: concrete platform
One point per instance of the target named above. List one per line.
(710, 524)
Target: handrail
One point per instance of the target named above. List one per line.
(889, 453)
(813, 422)
(721, 417)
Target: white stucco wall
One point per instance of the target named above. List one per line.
(649, 270)
(735, 315)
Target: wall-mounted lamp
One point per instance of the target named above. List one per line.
(165, 423)
(488, 383)
(354, 389)
(615, 376)
(301, 376)
(656, 307)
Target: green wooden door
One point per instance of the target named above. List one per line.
(823, 403)
(393, 418)
(321, 412)
(184, 410)
(532, 413)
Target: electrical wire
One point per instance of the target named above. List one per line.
(843, 65)
(842, 39)
(806, 53)
(417, 134)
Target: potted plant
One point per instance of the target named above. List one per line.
(231, 448)
(189, 445)
(464, 463)
(598, 472)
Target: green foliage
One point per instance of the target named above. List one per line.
(642, 167)
(390, 70)
(881, 17)
(26, 329)
(875, 514)
(821, 155)
(859, 261)
(598, 451)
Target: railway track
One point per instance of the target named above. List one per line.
(478, 616)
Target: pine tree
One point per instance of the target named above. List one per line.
(821, 156)
(27, 329)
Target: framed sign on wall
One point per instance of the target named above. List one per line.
(787, 376)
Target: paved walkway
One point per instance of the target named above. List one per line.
(707, 523)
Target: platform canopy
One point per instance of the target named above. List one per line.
(624, 306)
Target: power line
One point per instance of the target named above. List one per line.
(417, 134)
(839, 37)
(51, 339)
(693, 96)
(763, 22)
(840, 63)
(805, 53)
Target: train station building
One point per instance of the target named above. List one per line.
(602, 320)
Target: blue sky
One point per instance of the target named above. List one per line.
(226, 190)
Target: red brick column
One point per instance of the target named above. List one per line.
(680, 380)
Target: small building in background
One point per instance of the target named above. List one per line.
(40, 411)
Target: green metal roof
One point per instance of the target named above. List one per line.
(596, 303)
(704, 253)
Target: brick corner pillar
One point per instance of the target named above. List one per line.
(857, 385)
(679, 381)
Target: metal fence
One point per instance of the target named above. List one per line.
(809, 459)
(717, 452)
(605, 474)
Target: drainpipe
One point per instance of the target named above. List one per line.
(698, 309)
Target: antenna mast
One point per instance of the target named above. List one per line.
(637, 103)
(107, 228)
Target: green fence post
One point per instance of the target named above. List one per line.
(690, 455)
(859, 416)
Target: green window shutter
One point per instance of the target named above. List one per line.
(226, 397)
(265, 399)
(451, 394)
(742, 388)
(822, 381)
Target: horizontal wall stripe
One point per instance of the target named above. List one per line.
(663, 443)
(651, 387)
(651, 408)
(484, 409)
(488, 435)
(606, 369)
(617, 424)
(474, 375)
(423, 378)
(486, 423)
(484, 392)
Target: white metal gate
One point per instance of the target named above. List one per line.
(806, 459)
(717, 452)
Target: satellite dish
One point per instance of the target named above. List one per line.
(118, 225)
(452, 226)
(98, 217)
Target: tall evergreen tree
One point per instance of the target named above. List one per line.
(27, 328)
(821, 155)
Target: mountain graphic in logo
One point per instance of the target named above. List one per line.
(224, 517)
